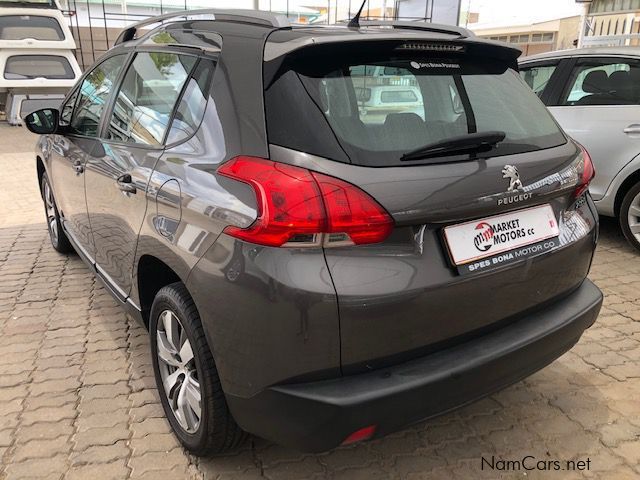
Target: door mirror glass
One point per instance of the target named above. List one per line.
(42, 122)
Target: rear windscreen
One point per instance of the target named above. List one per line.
(23, 67)
(21, 27)
(371, 111)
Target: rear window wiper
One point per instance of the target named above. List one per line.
(471, 143)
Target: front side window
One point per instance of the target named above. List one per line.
(149, 92)
(93, 96)
(343, 109)
(603, 82)
(538, 77)
(67, 109)
(25, 67)
(22, 27)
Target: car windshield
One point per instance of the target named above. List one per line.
(372, 111)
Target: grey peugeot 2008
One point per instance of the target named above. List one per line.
(311, 271)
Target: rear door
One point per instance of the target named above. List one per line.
(418, 291)
(599, 106)
(118, 172)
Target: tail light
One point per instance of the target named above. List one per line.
(297, 207)
(586, 172)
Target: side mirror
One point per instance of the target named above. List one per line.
(43, 122)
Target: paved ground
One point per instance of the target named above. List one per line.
(77, 398)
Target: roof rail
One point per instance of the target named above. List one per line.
(419, 25)
(255, 17)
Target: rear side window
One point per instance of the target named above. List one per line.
(602, 81)
(24, 67)
(373, 111)
(148, 94)
(192, 105)
(21, 27)
(538, 77)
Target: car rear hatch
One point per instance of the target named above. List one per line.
(490, 219)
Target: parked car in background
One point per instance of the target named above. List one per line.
(594, 93)
(37, 61)
(305, 275)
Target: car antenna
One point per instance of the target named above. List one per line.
(355, 21)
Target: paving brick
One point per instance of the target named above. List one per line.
(37, 468)
(101, 420)
(48, 414)
(100, 436)
(100, 454)
(152, 461)
(45, 448)
(150, 425)
(104, 471)
(45, 430)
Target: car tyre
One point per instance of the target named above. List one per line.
(58, 237)
(630, 216)
(185, 371)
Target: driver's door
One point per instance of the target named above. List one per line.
(69, 150)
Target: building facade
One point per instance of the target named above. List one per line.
(611, 23)
(533, 38)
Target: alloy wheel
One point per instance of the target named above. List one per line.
(633, 217)
(178, 371)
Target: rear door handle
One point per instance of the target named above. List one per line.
(633, 129)
(125, 184)
(78, 167)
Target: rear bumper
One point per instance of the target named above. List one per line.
(318, 416)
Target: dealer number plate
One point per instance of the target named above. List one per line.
(473, 241)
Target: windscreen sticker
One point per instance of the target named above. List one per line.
(419, 65)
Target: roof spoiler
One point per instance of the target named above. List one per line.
(418, 25)
(253, 17)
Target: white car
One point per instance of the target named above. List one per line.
(594, 94)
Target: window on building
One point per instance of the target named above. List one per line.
(604, 6)
(542, 37)
(519, 39)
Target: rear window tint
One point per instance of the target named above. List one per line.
(373, 110)
(23, 67)
(21, 27)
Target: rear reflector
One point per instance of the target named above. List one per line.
(300, 208)
(360, 435)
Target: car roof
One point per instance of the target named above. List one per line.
(283, 37)
(584, 52)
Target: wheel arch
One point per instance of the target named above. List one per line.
(41, 171)
(152, 274)
(626, 185)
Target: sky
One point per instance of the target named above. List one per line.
(521, 11)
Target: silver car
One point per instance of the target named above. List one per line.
(594, 93)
